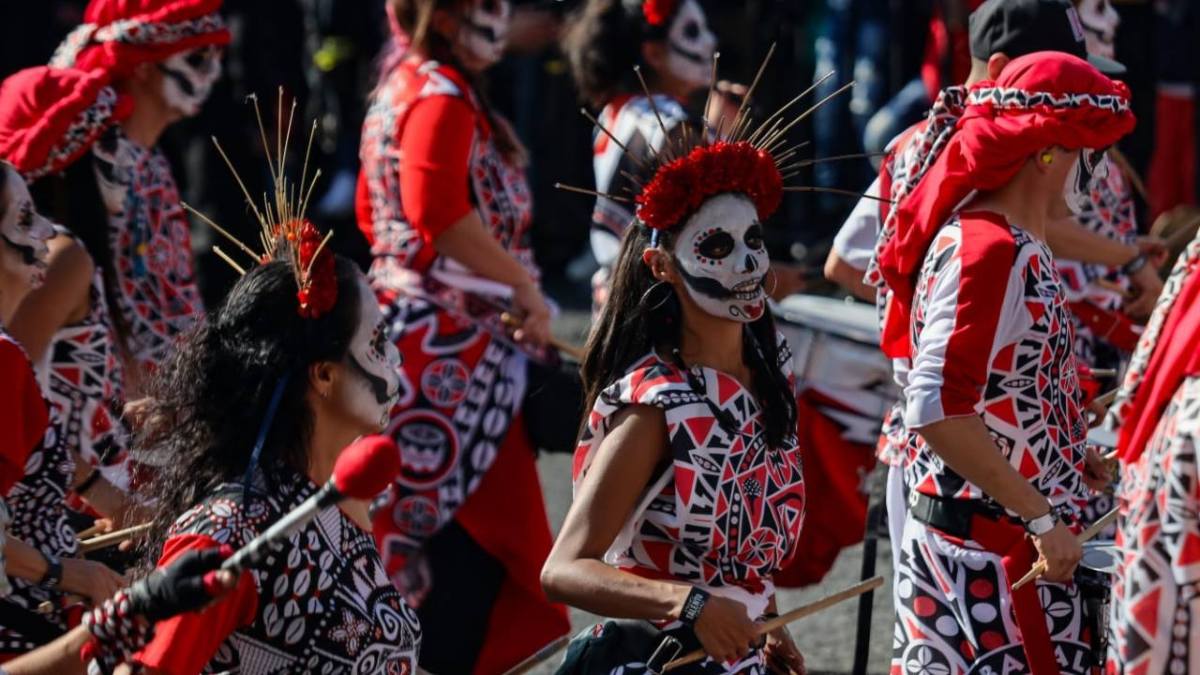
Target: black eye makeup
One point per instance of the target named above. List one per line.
(715, 244)
(25, 219)
(691, 30)
(754, 237)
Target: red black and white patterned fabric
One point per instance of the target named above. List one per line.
(1155, 611)
(325, 603)
(117, 35)
(1002, 351)
(83, 382)
(156, 294)
(727, 513)
(463, 380)
(954, 611)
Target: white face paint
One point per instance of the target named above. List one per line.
(24, 230)
(188, 78)
(1100, 21)
(721, 256)
(690, 45)
(484, 30)
(375, 362)
(1091, 166)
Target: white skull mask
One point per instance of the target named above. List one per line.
(376, 361)
(484, 30)
(690, 45)
(23, 229)
(1092, 166)
(188, 78)
(1100, 21)
(722, 259)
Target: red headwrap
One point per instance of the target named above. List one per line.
(1040, 100)
(51, 116)
(1166, 354)
(117, 35)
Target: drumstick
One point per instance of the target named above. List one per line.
(1113, 287)
(112, 538)
(89, 532)
(794, 615)
(1098, 373)
(539, 656)
(1040, 568)
(569, 349)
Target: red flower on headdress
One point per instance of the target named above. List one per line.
(681, 186)
(658, 11)
(317, 279)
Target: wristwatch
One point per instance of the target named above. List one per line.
(53, 576)
(692, 606)
(1042, 524)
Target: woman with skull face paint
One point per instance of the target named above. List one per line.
(165, 55)
(442, 197)
(994, 423)
(671, 41)
(688, 486)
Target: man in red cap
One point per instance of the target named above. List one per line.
(995, 430)
(165, 55)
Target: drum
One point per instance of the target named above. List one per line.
(835, 351)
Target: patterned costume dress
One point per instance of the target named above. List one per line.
(82, 376)
(726, 514)
(150, 240)
(1003, 351)
(321, 604)
(463, 380)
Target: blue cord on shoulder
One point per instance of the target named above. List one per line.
(263, 429)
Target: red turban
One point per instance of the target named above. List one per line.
(51, 116)
(1040, 100)
(118, 35)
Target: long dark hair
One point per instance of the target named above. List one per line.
(643, 313)
(415, 18)
(209, 400)
(603, 42)
(73, 199)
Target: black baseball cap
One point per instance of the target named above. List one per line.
(1020, 27)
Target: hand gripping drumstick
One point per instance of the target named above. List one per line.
(573, 351)
(111, 538)
(794, 615)
(1040, 568)
(364, 469)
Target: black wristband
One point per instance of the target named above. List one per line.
(88, 482)
(1135, 265)
(692, 606)
(53, 576)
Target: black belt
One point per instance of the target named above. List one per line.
(953, 516)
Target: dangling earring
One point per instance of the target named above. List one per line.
(1047, 158)
(656, 287)
(775, 279)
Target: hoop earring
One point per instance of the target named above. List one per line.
(654, 288)
(1047, 158)
(774, 278)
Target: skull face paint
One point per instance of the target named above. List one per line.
(690, 45)
(722, 259)
(484, 30)
(188, 78)
(375, 362)
(1100, 21)
(1091, 166)
(24, 230)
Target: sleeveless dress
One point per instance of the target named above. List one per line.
(727, 513)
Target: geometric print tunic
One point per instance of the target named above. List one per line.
(727, 512)
(992, 336)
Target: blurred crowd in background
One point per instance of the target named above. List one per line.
(325, 53)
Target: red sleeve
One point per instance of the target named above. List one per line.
(23, 415)
(186, 643)
(435, 148)
(362, 208)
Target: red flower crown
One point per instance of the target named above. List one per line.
(682, 185)
(658, 11)
(317, 279)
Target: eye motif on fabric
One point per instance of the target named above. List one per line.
(691, 45)
(485, 30)
(1091, 167)
(23, 229)
(188, 78)
(376, 361)
(722, 259)
(1100, 21)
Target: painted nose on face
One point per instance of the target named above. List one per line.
(750, 265)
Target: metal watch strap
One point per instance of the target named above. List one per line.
(692, 606)
(1042, 524)
(54, 571)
